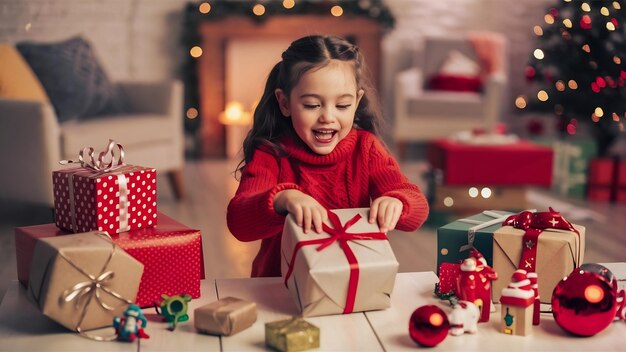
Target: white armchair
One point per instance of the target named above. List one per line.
(422, 114)
(33, 142)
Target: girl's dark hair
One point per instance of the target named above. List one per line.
(303, 55)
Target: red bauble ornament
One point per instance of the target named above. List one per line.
(535, 127)
(428, 325)
(530, 72)
(586, 302)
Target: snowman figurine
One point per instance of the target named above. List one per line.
(130, 327)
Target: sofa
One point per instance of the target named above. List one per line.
(33, 140)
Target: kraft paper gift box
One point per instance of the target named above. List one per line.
(455, 240)
(116, 201)
(321, 281)
(226, 316)
(558, 254)
(82, 281)
(171, 253)
(290, 335)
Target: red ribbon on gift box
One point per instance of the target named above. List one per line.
(533, 225)
(338, 233)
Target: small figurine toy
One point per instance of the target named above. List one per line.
(464, 318)
(130, 326)
(174, 309)
(517, 305)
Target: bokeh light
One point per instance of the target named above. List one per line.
(258, 10)
(195, 52)
(204, 7)
(336, 11)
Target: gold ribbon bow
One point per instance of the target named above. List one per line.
(100, 164)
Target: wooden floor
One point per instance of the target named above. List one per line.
(211, 184)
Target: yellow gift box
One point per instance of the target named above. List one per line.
(290, 335)
(319, 268)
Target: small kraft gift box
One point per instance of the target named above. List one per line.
(171, 253)
(225, 317)
(544, 243)
(82, 281)
(105, 196)
(348, 268)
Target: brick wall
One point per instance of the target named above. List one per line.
(139, 39)
(134, 39)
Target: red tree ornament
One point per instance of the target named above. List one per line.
(428, 325)
(587, 301)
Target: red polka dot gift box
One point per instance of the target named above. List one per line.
(116, 201)
(170, 252)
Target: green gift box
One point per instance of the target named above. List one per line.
(456, 239)
(571, 164)
(295, 334)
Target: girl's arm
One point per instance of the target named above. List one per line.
(251, 215)
(386, 179)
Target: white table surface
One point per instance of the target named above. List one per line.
(23, 328)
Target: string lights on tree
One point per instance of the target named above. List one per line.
(577, 72)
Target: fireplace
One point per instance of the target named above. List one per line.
(212, 66)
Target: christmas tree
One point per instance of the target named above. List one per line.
(577, 69)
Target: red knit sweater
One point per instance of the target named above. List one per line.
(357, 170)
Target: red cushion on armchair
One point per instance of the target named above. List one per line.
(456, 83)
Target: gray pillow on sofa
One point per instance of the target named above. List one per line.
(70, 73)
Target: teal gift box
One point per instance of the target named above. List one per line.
(456, 239)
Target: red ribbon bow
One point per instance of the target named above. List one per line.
(540, 220)
(338, 233)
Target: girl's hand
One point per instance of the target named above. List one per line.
(307, 211)
(387, 211)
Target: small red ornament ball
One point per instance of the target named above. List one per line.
(584, 303)
(428, 325)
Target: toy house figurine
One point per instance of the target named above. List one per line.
(517, 305)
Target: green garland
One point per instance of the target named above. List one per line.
(220, 9)
(373, 9)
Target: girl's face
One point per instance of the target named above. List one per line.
(322, 105)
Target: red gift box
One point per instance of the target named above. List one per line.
(607, 180)
(519, 163)
(170, 252)
(113, 202)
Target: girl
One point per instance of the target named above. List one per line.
(314, 145)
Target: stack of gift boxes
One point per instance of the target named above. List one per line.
(108, 247)
(485, 176)
(543, 245)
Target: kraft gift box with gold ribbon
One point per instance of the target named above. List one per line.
(113, 202)
(170, 252)
(82, 281)
(348, 268)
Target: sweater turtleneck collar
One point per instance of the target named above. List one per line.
(298, 150)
